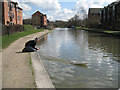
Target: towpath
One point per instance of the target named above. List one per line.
(16, 72)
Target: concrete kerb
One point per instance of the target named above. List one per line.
(42, 79)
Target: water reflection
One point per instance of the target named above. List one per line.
(99, 51)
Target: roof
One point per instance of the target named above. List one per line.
(19, 8)
(95, 10)
(114, 3)
(44, 15)
(37, 12)
(14, 3)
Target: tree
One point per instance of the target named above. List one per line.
(79, 19)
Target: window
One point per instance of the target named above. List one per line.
(8, 3)
(8, 14)
(10, 18)
(10, 7)
(17, 17)
(114, 7)
(12, 15)
(113, 10)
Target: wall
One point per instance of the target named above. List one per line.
(14, 14)
(44, 20)
(36, 19)
(111, 20)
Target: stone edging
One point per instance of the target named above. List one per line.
(42, 79)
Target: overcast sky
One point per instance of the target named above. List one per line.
(59, 9)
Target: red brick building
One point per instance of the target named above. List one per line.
(44, 20)
(12, 13)
(94, 13)
(39, 19)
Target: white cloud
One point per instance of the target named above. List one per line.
(55, 12)
(63, 14)
(86, 4)
(51, 18)
(48, 5)
(26, 16)
(25, 7)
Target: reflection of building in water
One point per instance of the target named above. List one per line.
(106, 43)
(45, 37)
(42, 39)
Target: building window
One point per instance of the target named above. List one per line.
(19, 11)
(8, 14)
(10, 18)
(17, 18)
(114, 7)
(10, 7)
(8, 3)
(113, 10)
(12, 15)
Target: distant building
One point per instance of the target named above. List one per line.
(11, 13)
(94, 13)
(44, 20)
(110, 16)
(39, 19)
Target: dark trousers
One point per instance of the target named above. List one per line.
(28, 49)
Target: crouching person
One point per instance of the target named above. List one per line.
(30, 46)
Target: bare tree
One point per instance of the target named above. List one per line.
(79, 19)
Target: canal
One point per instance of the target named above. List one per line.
(99, 51)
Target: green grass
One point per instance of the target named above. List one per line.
(6, 41)
(100, 30)
(90, 29)
(112, 31)
(31, 67)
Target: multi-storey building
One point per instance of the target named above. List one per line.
(39, 19)
(11, 13)
(44, 20)
(94, 14)
(110, 16)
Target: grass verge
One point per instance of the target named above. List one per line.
(6, 41)
(100, 30)
(31, 67)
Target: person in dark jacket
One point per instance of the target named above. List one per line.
(30, 46)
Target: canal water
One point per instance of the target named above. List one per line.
(96, 57)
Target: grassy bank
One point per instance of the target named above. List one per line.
(6, 41)
(100, 30)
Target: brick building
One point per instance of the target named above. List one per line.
(12, 13)
(39, 19)
(94, 13)
(110, 16)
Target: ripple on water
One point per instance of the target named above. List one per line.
(63, 46)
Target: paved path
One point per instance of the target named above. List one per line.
(16, 72)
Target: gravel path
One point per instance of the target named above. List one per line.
(16, 72)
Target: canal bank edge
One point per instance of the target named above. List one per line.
(109, 32)
(42, 79)
(16, 71)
